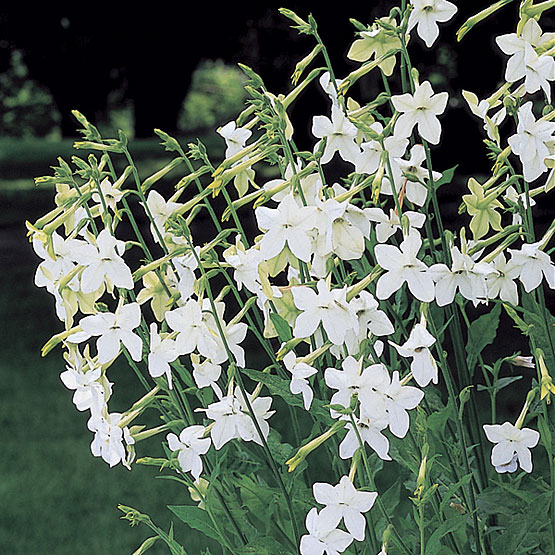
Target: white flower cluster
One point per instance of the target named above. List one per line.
(320, 283)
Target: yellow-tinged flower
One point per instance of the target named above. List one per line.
(483, 210)
(547, 387)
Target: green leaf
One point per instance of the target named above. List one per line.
(279, 386)
(196, 518)
(282, 327)
(451, 524)
(446, 177)
(262, 546)
(481, 333)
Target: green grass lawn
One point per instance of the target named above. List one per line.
(55, 497)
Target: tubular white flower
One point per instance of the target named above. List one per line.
(340, 134)
(425, 16)
(423, 365)
(421, 109)
(288, 224)
(532, 265)
(402, 266)
(300, 371)
(510, 442)
(190, 446)
(343, 501)
(328, 307)
(103, 261)
(112, 330)
(162, 352)
(530, 143)
(322, 538)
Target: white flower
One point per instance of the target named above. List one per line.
(466, 275)
(162, 352)
(109, 439)
(87, 381)
(533, 264)
(300, 371)
(369, 316)
(161, 210)
(207, 374)
(501, 282)
(343, 501)
(245, 264)
(112, 330)
(423, 365)
(402, 266)
(193, 333)
(340, 134)
(422, 109)
(288, 224)
(524, 61)
(190, 446)
(232, 419)
(328, 307)
(398, 399)
(372, 154)
(530, 142)
(387, 226)
(111, 195)
(321, 538)
(411, 169)
(510, 442)
(235, 138)
(352, 379)
(369, 428)
(327, 85)
(103, 261)
(425, 16)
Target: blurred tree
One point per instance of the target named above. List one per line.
(83, 53)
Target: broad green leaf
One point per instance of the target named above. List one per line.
(195, 518)
(481, 333)
(451, 524)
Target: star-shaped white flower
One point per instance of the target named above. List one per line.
(340, 134)
(425, 16)
(387, 226)
(511, 441)
(343, 501)
(162, 352)
(235, 138)
(417, 347)
(110, 195)
(190, 446)
(533, 264)
(501, 283)
(530, 142)
(402, 266)
(113, 330)
(524, 61)
(232, 419)
(300, 371)
(288, 224)
(369, 428)
(421, 109)
(328, 307)
(414, 173)
(321, 538)
(111, 441)
(103, 261)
